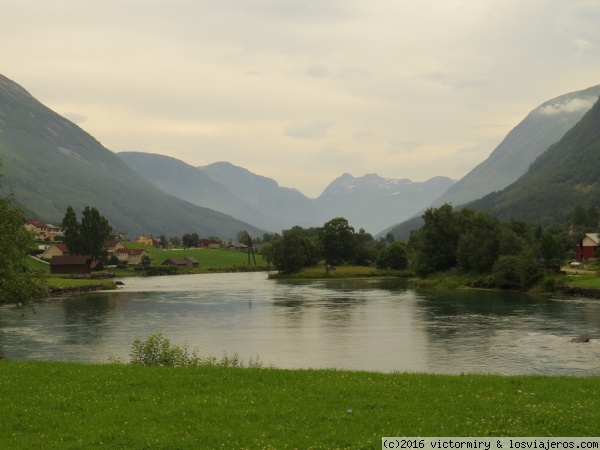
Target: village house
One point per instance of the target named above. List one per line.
(111, 246)
(187, 262)
(208, 243)
(42, 230)
(586, 247)
(148, 240)
(70, 265)
(130, 256)
(55, 250)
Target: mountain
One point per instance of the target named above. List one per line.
(288, 206)
(541, 128)
(50, 163)
(196, 186)
(373, 202)
(567, 174)
(369, 202)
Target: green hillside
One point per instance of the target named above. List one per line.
(565, 175)
(50, 163)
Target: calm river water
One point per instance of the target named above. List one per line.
(381, 325)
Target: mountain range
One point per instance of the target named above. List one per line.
(49, 163)
(370, 202)
(544, 166)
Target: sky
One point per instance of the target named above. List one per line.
(302, 91)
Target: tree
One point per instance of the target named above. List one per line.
(435, 243)
(293, 251)
(72, 232)
(88, 236)
(267, 252)
(95, 231)
(394, 256)
(18, 283)
(550, 251)
(338, 240)
(189, 240)
(288, 253)
(478, 245)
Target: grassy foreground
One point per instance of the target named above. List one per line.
(70, 405)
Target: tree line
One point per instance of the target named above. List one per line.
(335, 243)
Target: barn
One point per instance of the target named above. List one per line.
(586, 247)
(70, 265)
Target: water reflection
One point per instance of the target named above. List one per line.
(382, 325)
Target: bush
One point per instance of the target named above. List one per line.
(157, 270)
(157, 350)
(506, 272)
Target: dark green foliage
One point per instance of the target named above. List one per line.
(436, 242)
(394, 256)
(292, 252)
(297, 248)
(153, 271)
(550, 251)
(18, 284)
(504, 255)
(88, 236)
(479, 244)
(365, 253)
(506, 273)
(190, 239)
(72, 232)
(338, 241)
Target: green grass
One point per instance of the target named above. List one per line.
(210, 259)
(585, 280)
(319, 272)
(69, 405)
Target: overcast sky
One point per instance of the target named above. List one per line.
(302, 91)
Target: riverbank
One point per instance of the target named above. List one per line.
(70, 405)
(320, 273)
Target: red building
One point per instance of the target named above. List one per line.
(586, 247)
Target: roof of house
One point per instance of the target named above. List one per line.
(594, 237)
(37, 223)
(69, 260)
(177, 261)
(111, 243)
(192, 260)
(62, 247)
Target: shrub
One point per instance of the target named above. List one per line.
(156, 350)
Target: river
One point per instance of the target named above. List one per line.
(365, 324)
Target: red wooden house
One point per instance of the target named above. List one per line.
(586, 247)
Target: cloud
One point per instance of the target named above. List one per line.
(582, 46)
(403, 147)
(568, 107)
(314, 130)
(318, 71)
